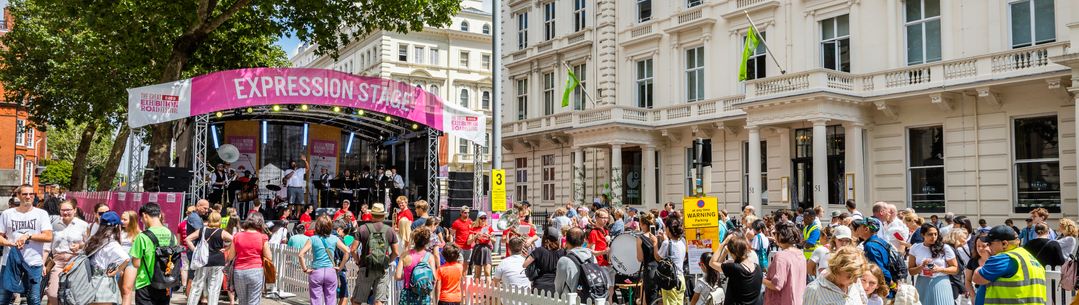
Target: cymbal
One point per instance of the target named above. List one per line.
(273, 187)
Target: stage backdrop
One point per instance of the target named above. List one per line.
(245, 136)
(243, 88)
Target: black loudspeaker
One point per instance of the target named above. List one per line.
(460, 189)
(173, 179)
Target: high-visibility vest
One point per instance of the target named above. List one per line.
(1025, 287)
(808, 251)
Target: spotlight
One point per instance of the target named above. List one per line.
(415, 126)
(220, 114)
(276, 107)
(360, 112)
(336, 109)
(389, 118)
(303, 107)
(291, 107)
(250, 109)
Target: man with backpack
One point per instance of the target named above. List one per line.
(155, 254)
(880, 252)
(26, 229)
(378, 249)
(578, 271)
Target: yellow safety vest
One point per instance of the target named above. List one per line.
(1026, 286)
(808, 251)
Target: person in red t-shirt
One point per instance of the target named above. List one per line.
(365, 213)
(460, 230)
(530, 239)
(403, 212)
(480, 239)
(597, 238)
(345, 212)
(305, 220)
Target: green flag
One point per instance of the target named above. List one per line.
(750, 48)
(571, 84)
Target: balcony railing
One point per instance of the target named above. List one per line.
(706, 110)
(1008, 64)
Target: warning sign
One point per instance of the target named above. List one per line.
(701, 212)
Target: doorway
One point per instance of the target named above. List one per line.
(802, 167)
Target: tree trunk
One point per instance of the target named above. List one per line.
(161, 134)
(104, 182)
(78, 168)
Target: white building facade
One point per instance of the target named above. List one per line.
(960, 106)
(453, 62)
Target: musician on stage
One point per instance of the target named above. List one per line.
(384, 182)
(398, 182)
(294, 181)
(345, 182)
(365, 187)
(220, 181)
(324, 187)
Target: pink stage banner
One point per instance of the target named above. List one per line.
(172, 204)
(252, 87)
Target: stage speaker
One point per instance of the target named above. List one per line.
(460, 189)
(172, 179)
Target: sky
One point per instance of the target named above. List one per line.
(289, 43)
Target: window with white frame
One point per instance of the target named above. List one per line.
(693, 3)
(925, 169)
(464, 59)
(402, 52)
(522, 30)
(419, 54)
(581, 71)
(644, 83)
(522, 98)
(462, 146)
(29, 173)
(548, 93)
(1037, 164)
(520, 173)
(485, 60)
(434, 90)
(486, 29)
(1033, 22)
(757, 64)
(485, 100)
(644, 10)
(548, 21)
(764, 172)
(434, 56)
(30, 136)
(695, 74)
(923, 31)
(548, 177)
(20, 132)
(464, 26)
(835, 43)
(19, 167)
(464, 98)
(579, 15)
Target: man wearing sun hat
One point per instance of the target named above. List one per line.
(1012, 275)
(372, 283)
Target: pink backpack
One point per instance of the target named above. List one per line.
(1069, 273)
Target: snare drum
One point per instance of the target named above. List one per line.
(624, 252)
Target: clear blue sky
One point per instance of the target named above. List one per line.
(289, 42)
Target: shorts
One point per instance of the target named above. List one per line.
(466, 256)
(371, 286)
(150, 296)
(481, 255)
(342, 285)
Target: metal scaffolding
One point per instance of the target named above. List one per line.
(199, 169)
(432, 166)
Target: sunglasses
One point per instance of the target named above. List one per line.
(26, 194)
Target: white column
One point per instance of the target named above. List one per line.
(855, 160)
(1076, 97)
(578, 175)
(648, 177)
(820, 162)
(754, 167)
(616, 175)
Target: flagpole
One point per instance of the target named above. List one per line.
(583, 89)
(766, 49)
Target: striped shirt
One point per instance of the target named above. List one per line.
(823, 292)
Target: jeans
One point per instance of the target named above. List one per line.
(323, 287)
(248, 286)
(206, 279)
(33, 288)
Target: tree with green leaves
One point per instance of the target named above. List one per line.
(176, 35)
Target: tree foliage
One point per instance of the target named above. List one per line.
(64, 141)
(56, 172)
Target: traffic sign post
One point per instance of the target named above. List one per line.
(498, 190)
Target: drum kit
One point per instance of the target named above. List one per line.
(630, 265)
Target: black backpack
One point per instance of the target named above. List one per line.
(667, 272)
(896, 265)
(166, 273)
(592, 281)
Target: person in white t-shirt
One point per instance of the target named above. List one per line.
(892, 229)
(294, 181)
(28, 229)
(69, 236)
(511, 272)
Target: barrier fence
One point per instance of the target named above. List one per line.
(292, 285)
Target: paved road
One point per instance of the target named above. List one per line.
(180, 299)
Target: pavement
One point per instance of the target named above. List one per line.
(180, 299)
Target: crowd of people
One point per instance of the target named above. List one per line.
(889, 256)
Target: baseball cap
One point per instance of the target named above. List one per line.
(481, 214)
(1000, 233)
(110, 218)
(837, 213)
(871, 222)
(842, 232)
